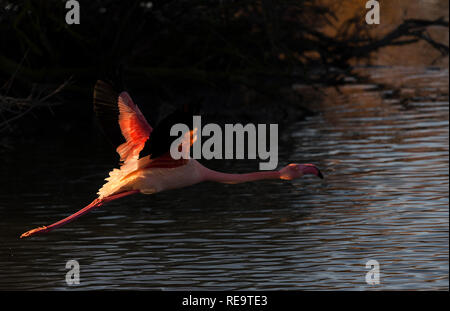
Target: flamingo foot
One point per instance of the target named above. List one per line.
(96, 203)
(34, 231)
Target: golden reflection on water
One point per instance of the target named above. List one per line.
(392, 13)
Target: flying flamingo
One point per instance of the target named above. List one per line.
(157, 171)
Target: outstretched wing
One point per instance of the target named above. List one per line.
(161, 140)
(107, 112)
(120, 116)
(134, 127)
(117, 114)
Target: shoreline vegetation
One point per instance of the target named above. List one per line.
(237, 57)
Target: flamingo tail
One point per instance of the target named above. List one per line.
(96, 203)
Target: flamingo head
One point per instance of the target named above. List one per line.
(294, 171)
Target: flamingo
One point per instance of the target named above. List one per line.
(156, 171)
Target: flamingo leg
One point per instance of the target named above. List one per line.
(96, 203)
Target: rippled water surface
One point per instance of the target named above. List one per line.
(385, 197)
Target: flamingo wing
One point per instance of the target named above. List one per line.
(107, 111)
(135, 128)
(120, 116)
(161, 140)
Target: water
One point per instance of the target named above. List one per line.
(385, 197)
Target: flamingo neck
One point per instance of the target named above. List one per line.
(211, 175)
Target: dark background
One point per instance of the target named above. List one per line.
(237, 57)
